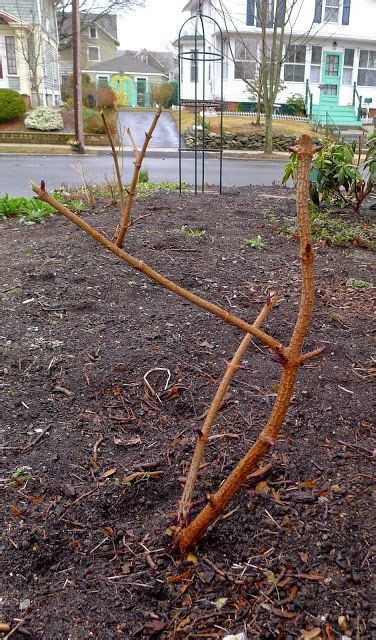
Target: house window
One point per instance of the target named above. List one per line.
(332, 65)
(295, 63)
(367, 68)
(1, 68)
(194, 67)
(92, 32)
(10, 51)
(93, 54)
(245, 61)
(102, 81)
(330, 89)
(331, 11)
(348, 64)
(316, 64)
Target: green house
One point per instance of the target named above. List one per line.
(130, 78)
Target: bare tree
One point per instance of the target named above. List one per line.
(29, 44)
(276, 22)
(91, 12)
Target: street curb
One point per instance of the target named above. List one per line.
(7, 150)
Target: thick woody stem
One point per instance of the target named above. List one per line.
(268, 436)
(157, 277)
(185, 504)
(115, 155)
(139, 157)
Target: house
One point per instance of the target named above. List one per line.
(130, 78)
(329, 55)
(98, 41)
(29, 50)
(164, 61)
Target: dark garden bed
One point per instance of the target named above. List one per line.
(85, 550)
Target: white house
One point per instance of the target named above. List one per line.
(329, 55)
(29, 61)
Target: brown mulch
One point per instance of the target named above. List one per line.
(85, 548)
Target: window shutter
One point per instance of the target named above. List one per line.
(271, 16)
(280, 12)
(346, 12)
(250, 12)
(318, 11)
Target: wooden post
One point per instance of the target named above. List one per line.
(77, 78)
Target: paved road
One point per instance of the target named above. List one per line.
(165, 135)
(16, 171)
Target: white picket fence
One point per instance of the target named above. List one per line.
(253, 114)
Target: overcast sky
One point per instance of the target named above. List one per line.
(153, 27)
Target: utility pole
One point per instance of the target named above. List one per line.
(77, 78)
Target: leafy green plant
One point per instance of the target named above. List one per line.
(255, 242)
(32, 210)
(337, 176)
(335, 231)
(21, 474)
(296, 104)
(192, 233)
(29, 209)
(143, 176)
(357, 283)
(12, 105)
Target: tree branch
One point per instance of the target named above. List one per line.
(186, 499)
(139, 158)
(157, 277)
(268, 436)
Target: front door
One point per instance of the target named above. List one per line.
(141, 92)
(330, 79)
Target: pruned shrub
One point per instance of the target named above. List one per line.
(105, 98)
(44, 119)
(12, 105)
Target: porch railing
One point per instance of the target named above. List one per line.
(359, 105)
(332, 128)
(308, 100)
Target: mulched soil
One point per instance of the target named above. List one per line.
(85, 554)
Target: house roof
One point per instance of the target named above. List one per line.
(7, 18)
(125, 64)
(107, 23)
(164, 61)
(190, 5)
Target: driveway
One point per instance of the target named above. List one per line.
(165, 136)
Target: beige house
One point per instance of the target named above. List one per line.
(29, 50)
(98, 42)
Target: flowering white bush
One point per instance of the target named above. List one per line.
(44, 119)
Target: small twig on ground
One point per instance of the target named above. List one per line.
(95, 448)
(18, 625)
(32, 444)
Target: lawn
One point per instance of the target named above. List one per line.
(94, 460)
(242, 124)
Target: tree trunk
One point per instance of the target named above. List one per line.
(268, 128)
(258, 119)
